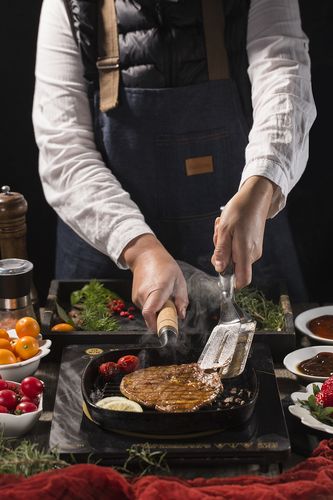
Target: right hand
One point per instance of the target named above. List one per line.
(156, 278)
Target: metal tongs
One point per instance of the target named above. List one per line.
(229, 343)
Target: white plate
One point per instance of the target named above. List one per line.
(303, 319)
(304, 414)
(292, 360)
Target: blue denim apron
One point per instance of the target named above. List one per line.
(146, 141)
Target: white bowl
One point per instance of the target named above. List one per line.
(302, 320)
(18, 371)
(292, 360)
(16, 425)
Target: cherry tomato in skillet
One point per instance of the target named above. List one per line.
(108, 370)
(128, 363)
(32, 387)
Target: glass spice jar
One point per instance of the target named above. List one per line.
(15, 286)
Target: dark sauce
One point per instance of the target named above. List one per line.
(322, 326)
(320, 365)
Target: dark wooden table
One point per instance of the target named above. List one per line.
(303, 439)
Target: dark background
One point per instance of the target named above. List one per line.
(309, 205)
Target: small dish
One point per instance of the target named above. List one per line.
(18, 371)
(13, 426)
(292, 360)
(304, 414)
(302, 320)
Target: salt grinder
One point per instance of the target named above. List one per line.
(15, 286)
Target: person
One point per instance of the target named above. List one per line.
(137, 170)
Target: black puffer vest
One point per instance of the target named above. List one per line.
(162, 44)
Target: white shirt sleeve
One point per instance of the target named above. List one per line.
(76, 182)
(283, 105)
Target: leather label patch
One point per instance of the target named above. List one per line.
(199, 165)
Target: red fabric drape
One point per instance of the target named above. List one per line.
(309, 480)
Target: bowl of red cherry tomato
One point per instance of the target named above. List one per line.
(21, 405)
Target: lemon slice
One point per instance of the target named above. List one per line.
(118, 403)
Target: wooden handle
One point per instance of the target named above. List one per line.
(167, 318)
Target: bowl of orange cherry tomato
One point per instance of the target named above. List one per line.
(22, 349)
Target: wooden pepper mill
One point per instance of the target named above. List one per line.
(13, 231)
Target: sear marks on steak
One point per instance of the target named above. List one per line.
(172, 388)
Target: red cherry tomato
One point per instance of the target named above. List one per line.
(3, 409)
(26, 407)
(25, 399)
(128, 363)
(3, 385)
(32, 387)
(108, 370)
(8, 399)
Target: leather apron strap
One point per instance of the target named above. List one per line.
(108, 49)
(217, 57)
(108, 55)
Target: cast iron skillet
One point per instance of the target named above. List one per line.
(152, 422)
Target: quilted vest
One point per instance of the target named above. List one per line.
(162, 43)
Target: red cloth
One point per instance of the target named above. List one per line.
(309, 480)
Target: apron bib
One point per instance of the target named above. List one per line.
(179, 152)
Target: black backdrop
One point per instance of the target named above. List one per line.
(309, 205)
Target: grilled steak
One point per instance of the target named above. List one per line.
(173, 388)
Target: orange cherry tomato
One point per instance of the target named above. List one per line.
(5, 344)
(27, 326)
(3, 334)
(62, 327)
(26, 347)
(7, 357)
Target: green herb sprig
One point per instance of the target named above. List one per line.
(142, 460)
(268, 315)
(321, 413)
(91, 300)
(27, 459)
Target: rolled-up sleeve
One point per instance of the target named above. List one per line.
(283, 104)
(76, 182)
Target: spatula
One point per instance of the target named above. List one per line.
(229, 343)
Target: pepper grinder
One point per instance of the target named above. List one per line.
(15, 286)
(13, 230)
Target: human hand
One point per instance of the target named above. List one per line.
(156, 278)
(239, 231)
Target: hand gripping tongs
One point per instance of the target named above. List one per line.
(229, 343)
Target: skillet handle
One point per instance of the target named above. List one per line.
(167, 321)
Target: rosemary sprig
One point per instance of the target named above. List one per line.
(91, 302)
(268, 315)
(142, 460)
(321, 413)
(26, 458)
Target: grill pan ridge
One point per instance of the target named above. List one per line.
(210, 418)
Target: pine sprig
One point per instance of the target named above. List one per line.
(268, 315)
(27, 459)
(321, 413)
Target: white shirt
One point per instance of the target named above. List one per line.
(85, 193)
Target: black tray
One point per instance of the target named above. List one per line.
(280, 342)
(209, 418)
(263, 439)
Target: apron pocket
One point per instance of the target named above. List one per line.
(196, 172)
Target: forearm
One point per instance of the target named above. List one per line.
(283, 106)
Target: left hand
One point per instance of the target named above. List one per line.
(239, 231)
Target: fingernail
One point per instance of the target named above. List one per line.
(183, 313)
